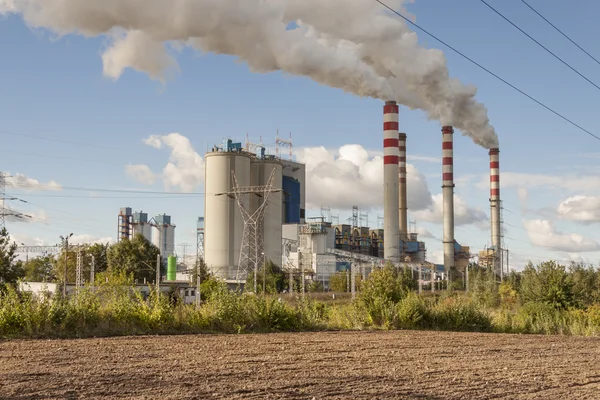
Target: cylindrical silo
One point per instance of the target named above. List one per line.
(223, 222)
(172, 268)
(273, 222)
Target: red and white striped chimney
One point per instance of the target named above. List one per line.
(390, 182)
(495, 201)
(403, 220)
(448, 196)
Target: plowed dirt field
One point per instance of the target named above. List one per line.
(332, 365)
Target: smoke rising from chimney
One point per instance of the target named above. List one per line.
(356, 46)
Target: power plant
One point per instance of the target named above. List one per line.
(223, 219)
(255, 213)
(159, 230)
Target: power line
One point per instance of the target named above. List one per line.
(560, 31)
(489, 72)
(63, 141)
(539, 44)
(52, 187)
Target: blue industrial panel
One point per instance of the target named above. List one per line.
(457, 247)
(291, 193)
(342, 266)
(412, 247)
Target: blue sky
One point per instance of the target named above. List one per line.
(94, 127)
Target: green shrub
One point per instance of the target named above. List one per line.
(412, 312)
(459, 314)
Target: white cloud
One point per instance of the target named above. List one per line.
(16, 216)
(154, 141)
(580, 208)
(542, 233)
(7, 6)
(26, 240)
(137, 50)
(184, 170)
(570, 182)
(89, 239)
(436, 256)
(523, 195)
(21, 181)
(463, 214)
(141, 173)
(350, 176)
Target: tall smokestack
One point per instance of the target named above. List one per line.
(448, 196)
(403, 219)
(391, 202)
(495, 204)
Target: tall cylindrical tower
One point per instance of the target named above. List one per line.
(223, 221)
(448, 196)
(391, 202)
(495, 204)
(403, 219)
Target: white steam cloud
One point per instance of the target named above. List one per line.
(184, 170)
(354, 45)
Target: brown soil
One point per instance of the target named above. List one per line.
(347, 365)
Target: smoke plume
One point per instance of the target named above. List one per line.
(353, 45)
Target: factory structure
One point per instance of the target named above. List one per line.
(229, 166)
(159, 230)
(258, 198)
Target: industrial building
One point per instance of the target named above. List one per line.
(223, 218)
(159, 230)
(319, 248)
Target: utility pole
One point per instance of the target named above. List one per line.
(157, 275)
(264, 268)
(92, 272)
(198, 282)
(78, 271)
(420, 279)
(66, 242)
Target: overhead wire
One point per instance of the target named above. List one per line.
(490, 72)
(560, 31)
(541, 45)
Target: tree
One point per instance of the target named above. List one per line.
(41, 269)
(547, 283)
(10, 270)
(274, 277)
(483, 286)
(137, 256)
(204, 274)
(338, 282)
(98, 250)
(100, 253)
(315, 287)
(586, 284)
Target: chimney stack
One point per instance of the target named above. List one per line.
(391, 180)
(448, 196)
(495, 205)
(403, 220)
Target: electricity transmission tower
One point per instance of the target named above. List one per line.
(2, 196)
(4, 210)
(252, 251)
(200, 240)
(79, 271)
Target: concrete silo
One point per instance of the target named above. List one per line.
(163, 235)
(223, 222)
(273, 212)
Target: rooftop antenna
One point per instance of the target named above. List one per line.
(279, 143)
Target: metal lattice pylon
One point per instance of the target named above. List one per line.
(79, 272)
(3, 212)
(252, 251)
